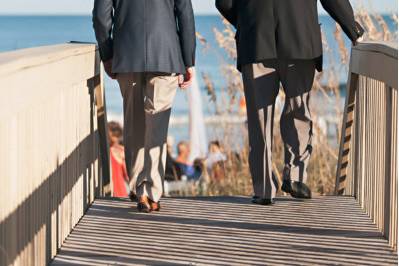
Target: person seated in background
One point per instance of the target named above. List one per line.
(186, 168)
(120, 178)
(215, 161)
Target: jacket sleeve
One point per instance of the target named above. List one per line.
(186, 28)
(102, 23)
(227, 9)
(342, 12)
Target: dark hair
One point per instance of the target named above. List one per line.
(215, 142)
(181, 143)
(115, 129)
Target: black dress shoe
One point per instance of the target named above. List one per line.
(286, 187)
(132, 197)
(255, 198)
(301, 190)
(296, 189)
(260, 201)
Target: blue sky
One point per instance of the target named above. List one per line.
(84, 6)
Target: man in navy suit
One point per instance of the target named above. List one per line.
(149, 47)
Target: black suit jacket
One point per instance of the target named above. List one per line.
(146, 35)
(284, 29)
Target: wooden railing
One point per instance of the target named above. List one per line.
(367, 166)
(52, 113)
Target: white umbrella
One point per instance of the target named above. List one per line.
(198, 139)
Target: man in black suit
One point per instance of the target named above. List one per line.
(149, 47)
(280, 41)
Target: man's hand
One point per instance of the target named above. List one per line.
(186, 80)
(360, 33)
(357, 41)
(108, 69)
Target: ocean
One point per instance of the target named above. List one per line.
(18, 32)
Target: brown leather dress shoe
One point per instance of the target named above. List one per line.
(155, 206)
(143, 205)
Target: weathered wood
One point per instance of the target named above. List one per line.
(98, 92)
(378, 61)
(346, 137)
(369, 142)
(49, 159)
(227, 231)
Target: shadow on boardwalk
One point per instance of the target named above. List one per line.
(227, 231)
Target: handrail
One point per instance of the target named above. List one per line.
(53, 149)
(367, 166)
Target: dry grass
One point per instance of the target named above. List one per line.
(323, 163)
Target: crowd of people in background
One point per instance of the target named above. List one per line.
(179, 166)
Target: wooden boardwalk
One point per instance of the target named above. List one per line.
(227, 231)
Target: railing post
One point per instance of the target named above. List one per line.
(370, 125)
(346, 135)
(102, 121)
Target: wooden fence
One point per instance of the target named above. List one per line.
(51, 117)
(367, 167)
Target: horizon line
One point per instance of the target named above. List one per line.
(75, 13)
(89, 13)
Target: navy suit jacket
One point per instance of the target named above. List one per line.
(146, 35)
(284, 29)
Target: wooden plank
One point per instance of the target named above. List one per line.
(393, 189)
(102, 122)
(22, 59)
(346, 134)
(385, 48)
(376, 66)
(227, 231)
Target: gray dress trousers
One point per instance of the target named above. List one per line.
(261, 85)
